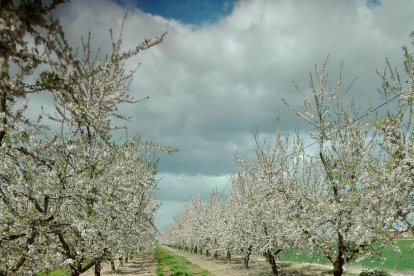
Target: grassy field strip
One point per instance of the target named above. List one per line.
(219, 266)
(393, 262)
(170, 264)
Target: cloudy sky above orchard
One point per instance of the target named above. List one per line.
(225, 66)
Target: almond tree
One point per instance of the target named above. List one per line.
(174, 234)
(339, 214)
(259, 197)
(130, 184)
(184, 232)
(25, 30)
(398, 140)
(63, 194)
(86, 95)
(114, 211)
(211, 226)
(240, 212)
(199, 227)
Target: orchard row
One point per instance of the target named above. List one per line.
(344, 196)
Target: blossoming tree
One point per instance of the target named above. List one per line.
(340, 212)
(68, 196)
(397, 148)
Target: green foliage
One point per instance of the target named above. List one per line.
(375, 272)
(176, 265)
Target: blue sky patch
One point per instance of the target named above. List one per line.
(373, 3)
(187, 11)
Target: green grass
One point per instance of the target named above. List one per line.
(55, 272)
(178, 266)
(306, 256)
(393, 261)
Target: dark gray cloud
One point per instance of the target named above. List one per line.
(211, 85)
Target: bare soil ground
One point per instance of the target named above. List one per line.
(143, 264)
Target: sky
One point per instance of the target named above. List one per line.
(225, 66)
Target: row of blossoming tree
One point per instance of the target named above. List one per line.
(69, 195)
(344, 200)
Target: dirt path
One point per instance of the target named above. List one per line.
(143, 265)
(214, 267)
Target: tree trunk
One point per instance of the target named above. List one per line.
(201, 251)
(98, 269)
(121, 262)
(207, 253)
(228, 256)
(3, 109)
(340, 261)
(338, 267)
(271, 259)
(247, 257)
(112, 265)
(215, 254)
